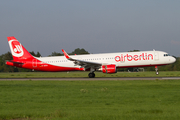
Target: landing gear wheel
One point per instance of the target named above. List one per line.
(91, 75)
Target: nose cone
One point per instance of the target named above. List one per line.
(173, 59)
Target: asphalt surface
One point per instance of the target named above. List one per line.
(106, 78)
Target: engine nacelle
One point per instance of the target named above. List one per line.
(109, 69)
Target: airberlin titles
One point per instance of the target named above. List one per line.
(128, 57)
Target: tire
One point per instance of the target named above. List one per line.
(91, 75)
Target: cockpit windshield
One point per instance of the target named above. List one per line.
(166, 55)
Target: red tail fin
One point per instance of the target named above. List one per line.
(17, 50)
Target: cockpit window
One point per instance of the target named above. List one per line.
(166, 55)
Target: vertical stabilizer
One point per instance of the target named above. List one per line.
(17, 50)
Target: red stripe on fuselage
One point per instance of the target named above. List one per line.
(40, 66)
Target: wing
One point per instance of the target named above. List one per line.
(82, 63)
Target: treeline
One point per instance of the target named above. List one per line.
(8, 56)
(77, 51)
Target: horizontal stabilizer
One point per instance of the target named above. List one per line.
(13, 63)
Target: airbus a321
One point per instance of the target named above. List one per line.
(107, 62)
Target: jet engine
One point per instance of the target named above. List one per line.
(109, 68)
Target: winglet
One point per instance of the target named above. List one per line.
(65, 54)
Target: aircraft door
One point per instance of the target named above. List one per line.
(156, 56)
(34, 63)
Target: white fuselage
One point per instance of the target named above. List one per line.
(125, 59)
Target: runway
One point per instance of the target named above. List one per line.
(85, 79)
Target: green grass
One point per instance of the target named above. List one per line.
(85, 74)
(90, 100)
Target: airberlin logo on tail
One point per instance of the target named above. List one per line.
(127, 57)
(16, 48)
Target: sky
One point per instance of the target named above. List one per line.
(98, 26)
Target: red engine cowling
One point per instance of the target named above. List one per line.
(109, 68)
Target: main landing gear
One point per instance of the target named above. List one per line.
(156, 69)
(91, 75)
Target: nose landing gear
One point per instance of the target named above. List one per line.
(156, 69)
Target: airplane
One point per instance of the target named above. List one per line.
(106, 62)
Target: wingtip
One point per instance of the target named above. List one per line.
(65, 54)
